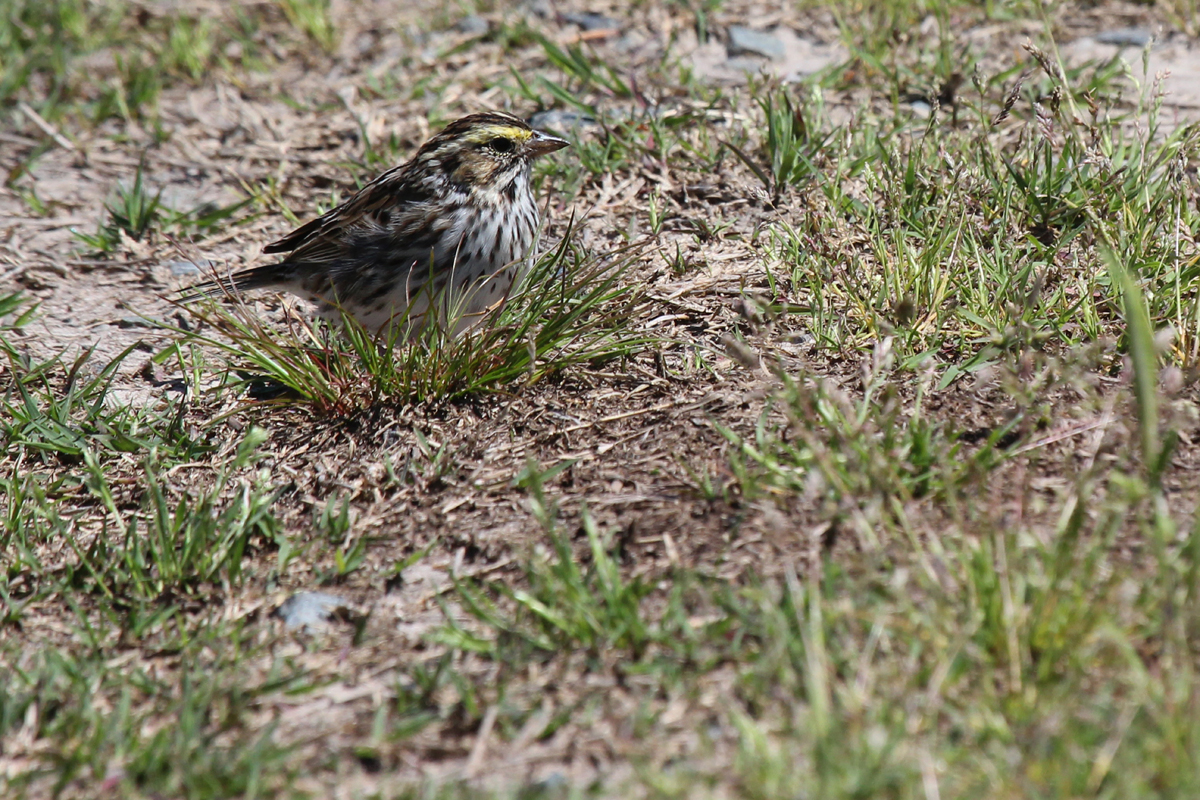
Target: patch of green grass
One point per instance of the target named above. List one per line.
(585, 73)
(314, 19)
(14, 315)
(1000, 645)
(836, 451)
(573, 612)
(179, 541)
(190, 48)
(991, 658)
(992, 248)
(137, 214)
(791, 148)
(66, 434)
(701, 11)
(566, 606)
(52, 412)
(132, 94)
(146, 546)
(569, 310)
(134, 52)
(39, 42)
(143, 732)
(132, 214)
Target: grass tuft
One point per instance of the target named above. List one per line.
(568, 310)
(136, 214)
(1143, 351)
(314, 18)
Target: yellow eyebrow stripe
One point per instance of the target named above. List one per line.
(507, 131)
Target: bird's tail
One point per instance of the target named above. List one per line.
(257, 278)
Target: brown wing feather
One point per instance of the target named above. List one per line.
(387, 190)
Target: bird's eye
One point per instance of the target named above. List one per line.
(501, 145)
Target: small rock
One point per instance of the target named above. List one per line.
(473, 25)
(747, 64)
(555, 780)
(921, 108)
(312, 611)
(560, 121)
(744, 41)
(591, 22)
(183, 269)
(538, 8)
(1125, 37)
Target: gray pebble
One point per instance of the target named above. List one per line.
(591, 22)
(560, 121)
(538, 8)
(744, 41)
(748, 64)
(554, 781)
(311, 610)
(183, 269)
(474, 25)
(1125, 37)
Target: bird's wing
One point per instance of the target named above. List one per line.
(321, 239)
(391, 221)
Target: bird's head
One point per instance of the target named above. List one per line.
(487, 151)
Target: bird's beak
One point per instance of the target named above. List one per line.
(541, 143)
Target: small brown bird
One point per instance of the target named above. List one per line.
(451, 230)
